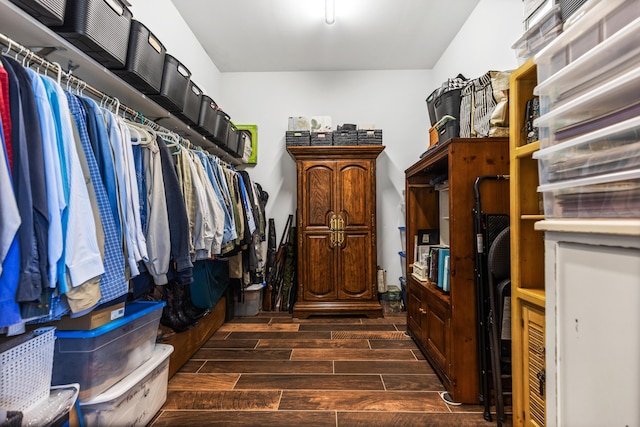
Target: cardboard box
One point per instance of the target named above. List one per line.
(91, 320)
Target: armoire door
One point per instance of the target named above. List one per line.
(354, 206)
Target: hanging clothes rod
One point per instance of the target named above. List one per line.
(29, 57)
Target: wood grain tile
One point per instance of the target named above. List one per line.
(240, 354)
(362, 401)
(348, 354)
(325, 319)
(191, 366)
(309, 382)
(393, 344)
(427, 382)
(368, 335)
(309, 327)
(201, 381)
(418, 354)
(230, 344)
(312, 344)
(250, 327)
(409, 419)
(232, 400)
(246, 419)
(373, 366)
(253, 319)
(258, 366)
(325, 335)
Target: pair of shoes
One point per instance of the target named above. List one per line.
(173, 313)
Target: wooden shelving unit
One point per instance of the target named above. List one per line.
(444, 324)
(527, 260)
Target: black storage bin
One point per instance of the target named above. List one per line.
(243, 139)
(49, 12)
(369, 136)
(448, 103)
(232, 139)
(213, 122)
(145, 60)
(100, 28)
(298, 137)
(175, 84)
(321, 138)
(345, 137)
(431, 99)
(450, 130)
(193, 102)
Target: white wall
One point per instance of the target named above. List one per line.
(393, 100)
(484, 42)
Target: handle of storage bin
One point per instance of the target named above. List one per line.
(195, 89)
(155, 43)
(117, 8)
(183, 70)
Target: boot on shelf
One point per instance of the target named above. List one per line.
(172, 316)
(190, 308)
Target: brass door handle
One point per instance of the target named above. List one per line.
(336, 226)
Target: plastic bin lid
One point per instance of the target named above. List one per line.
(254, 287)
(132, 311)
(160, 353)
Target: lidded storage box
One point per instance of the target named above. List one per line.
(135, 399)
(49, 12)
(25, 369)
(252, 301)
(232, 139)
(321, 138)
(98, 358)
(100, 28)
(145, 60)
(298, 137)
(369, 136)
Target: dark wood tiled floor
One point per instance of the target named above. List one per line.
(272, 370)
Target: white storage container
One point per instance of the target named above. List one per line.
(615, 195)
(614, 101)
(134, 400)
(611, 149)
(616, 56)
(252, 301)
(591, 24)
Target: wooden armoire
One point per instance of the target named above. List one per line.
(336, 221)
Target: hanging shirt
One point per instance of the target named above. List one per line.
(83, 260)
(112, 282)
(29, 188)
(177, 215)
(53, 171)
(9, 251)
(215, 209)
(158, 240)
(5, 115)
(99, 140)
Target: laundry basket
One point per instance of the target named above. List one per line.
(26, 364)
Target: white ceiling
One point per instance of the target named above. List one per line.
(291, 35)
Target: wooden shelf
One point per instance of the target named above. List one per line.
(534, 296)
(620, 226)
(528, 217)
(526, 150)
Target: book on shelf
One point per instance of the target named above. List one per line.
(443, 255)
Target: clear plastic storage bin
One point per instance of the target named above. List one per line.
(584, 31)
(611, 149)
(615, 195)
(98, 358)
(134, 400)
(612, 102)
(616, 56)
(252, 301)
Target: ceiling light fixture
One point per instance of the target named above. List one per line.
(329, 11)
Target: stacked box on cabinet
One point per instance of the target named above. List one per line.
(135, 399)
(190, 114)
(321, 138)
(345, 137)
(98, 358)
(49, 12)
(175, 84)
(298, 137)
(145, 60)
(26, 368)
(369, 136)
(214, 122)
(100, 28)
